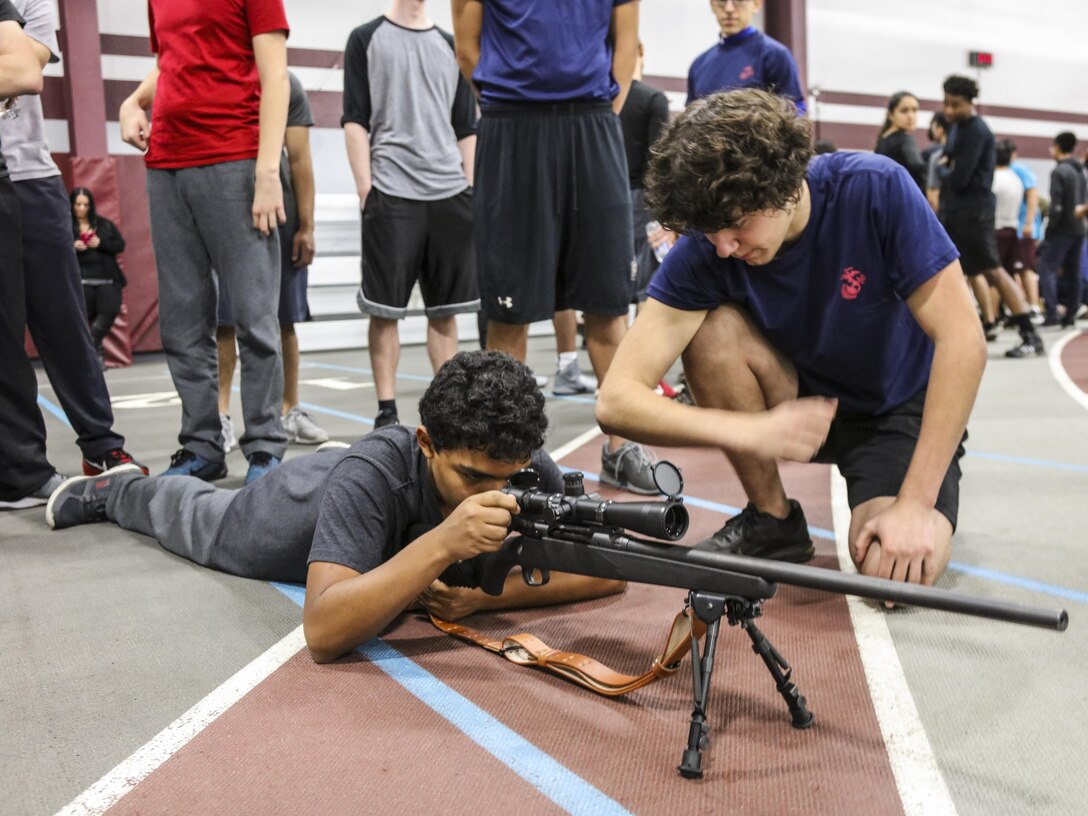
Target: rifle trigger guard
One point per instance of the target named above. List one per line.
(537, 576)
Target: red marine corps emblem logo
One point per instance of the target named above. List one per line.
(747, 73)
(852, 281)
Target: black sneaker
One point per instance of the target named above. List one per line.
(386, 417)
(761, 535)
(1030, 346)
(82, 499)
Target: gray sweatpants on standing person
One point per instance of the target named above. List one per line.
(201, 219)
(263, 530)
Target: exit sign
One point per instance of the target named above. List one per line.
(981, 59)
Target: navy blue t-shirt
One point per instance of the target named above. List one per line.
(555, 51)
(834, 302)
(747, 59)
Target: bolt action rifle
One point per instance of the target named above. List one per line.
(586, 535)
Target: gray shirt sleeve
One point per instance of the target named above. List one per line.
(933, 180)
(40, 24)
(298, 109)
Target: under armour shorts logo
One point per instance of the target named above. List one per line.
(506, 302)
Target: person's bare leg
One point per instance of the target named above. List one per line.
(228, 360)
(509, 337)
(1010, 292)
(981, 289)
(441, 340)
(289, 341)
(384, 356)
(729, 365)
(565, 323)
(1031, 287)
(603, 335)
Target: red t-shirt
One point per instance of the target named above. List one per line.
(207, 101)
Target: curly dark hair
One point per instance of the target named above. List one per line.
(963, 86)
(728, 156)
(485, 401)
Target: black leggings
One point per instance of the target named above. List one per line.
(103, 304)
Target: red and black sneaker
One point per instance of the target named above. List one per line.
(110, 460)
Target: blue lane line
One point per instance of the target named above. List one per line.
(55, 410)
(564, 787)
(1017, 581)
(1023, 460)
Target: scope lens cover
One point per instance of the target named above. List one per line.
(668, 479)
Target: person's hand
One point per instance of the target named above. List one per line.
(268, 209)
(364, 194)
(944, 160)
(661, 236)
(135, 128)
(1029, 230)
(80, 246)
(477, 525)
(900, 543)
(795, 429)
(451, 603)
(302, 249)
(94, 242)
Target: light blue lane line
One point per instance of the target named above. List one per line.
(1023, 460)
(558, 783)
(1017, 581)
(55, 410)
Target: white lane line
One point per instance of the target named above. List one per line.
(1060, 374)
(921, 784)
(129, 773)
(574, 444)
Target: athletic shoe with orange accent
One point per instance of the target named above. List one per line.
(109, 460)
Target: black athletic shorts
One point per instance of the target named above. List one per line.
(405, 241)
(553, 212)
(874, 452)
(972, 231)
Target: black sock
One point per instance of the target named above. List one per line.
(1023, 323)
(387, 405)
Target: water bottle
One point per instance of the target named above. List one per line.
(662, 249)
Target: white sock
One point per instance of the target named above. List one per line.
(565, 359)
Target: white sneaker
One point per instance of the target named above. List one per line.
(230, 441)
(541, 380)
(301, 428)
(38, 497)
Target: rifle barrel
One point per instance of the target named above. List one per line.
(863, 586)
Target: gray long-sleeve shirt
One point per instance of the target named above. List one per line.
(1068, 190)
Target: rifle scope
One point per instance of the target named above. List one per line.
(660, 519)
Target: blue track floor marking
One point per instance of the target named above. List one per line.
(561, 785)
(55, 410)
(1024, 460)
(1017, 581)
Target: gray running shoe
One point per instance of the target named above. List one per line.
(630, 467)
(38, 497)
(571, 380)
(301, 428)
(541, 380)
(230, 441)
(82, 499)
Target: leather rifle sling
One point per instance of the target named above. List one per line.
(528, 650)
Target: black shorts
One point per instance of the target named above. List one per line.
(405, 241)
(1008, 249)
(972, 231)
(553, 212)
(874, 452)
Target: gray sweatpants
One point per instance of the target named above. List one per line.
(201, 221)
(263, 530)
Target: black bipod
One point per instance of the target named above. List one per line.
(709, 608)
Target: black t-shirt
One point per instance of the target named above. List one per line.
(967, 181)
(7, 13)
(379, 497)
(644, 114)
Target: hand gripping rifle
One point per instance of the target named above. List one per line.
(586, 535)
